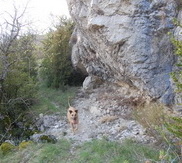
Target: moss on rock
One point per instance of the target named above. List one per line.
(47, 139)
(7, 147)
(24, 144)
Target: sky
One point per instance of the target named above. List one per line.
(38, 12)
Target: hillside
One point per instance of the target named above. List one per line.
(108, 132)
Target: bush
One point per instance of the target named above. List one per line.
(47, 139)
(18, 89)
(56, 68)
(175, 124)
(7, 147)
(25, 144)
(151, 116)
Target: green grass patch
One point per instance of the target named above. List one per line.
(112, 152)
(96, 151)
(40, 153)
(53, 100)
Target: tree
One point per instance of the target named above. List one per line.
(17, 75)
(56, 69)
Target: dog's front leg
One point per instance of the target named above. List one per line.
(76, 127)
(72, 127)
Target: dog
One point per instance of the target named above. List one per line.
(72, 116)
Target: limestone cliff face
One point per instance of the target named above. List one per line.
(126, 42)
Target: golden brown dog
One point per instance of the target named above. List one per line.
(72, 116)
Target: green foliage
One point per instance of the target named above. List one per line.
(154, 118)
(24, 144)
(7, 147)
(96, 151)
(40, 153)
(47, 139)
(105, 151)
(18, 89)
(175, 127)
(56, 68)
(177, 75)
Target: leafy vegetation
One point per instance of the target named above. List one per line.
(35, 153)
(177, 75)
(56, 68)
(105, 151)
(17, 79)
(7, 148)
(174, 126)
(20, 96)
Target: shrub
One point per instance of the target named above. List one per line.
(25, 144)
(150, 116)
(7, 147)
(47, 139)
(175, 124)
(18, 89)
(56, 68)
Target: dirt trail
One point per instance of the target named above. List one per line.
(99, 118)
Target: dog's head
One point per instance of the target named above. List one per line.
(73, 113)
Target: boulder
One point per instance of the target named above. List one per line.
(43, 138)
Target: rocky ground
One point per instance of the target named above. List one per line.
(102, 113)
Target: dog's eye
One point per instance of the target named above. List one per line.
(76, 111)
(70, 111)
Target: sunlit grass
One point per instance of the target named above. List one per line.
(96, 151)
(112, 152)
(39, 153)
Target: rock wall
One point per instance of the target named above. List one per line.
(126, 42)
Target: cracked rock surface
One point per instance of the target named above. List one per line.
(127, 43)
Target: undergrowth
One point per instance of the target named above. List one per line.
(100, 151)
(53, 100)
(39, 153)
(96, 151)
(161, 125)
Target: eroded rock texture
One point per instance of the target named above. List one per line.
(126, 42)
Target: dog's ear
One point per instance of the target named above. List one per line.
(76, 111)
(70, 111)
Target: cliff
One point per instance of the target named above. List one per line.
(127, 43)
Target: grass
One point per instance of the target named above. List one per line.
(112, 152)
(151, 116)
(53, 100)
(96, 151)
(39, 153)
(154, 117)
